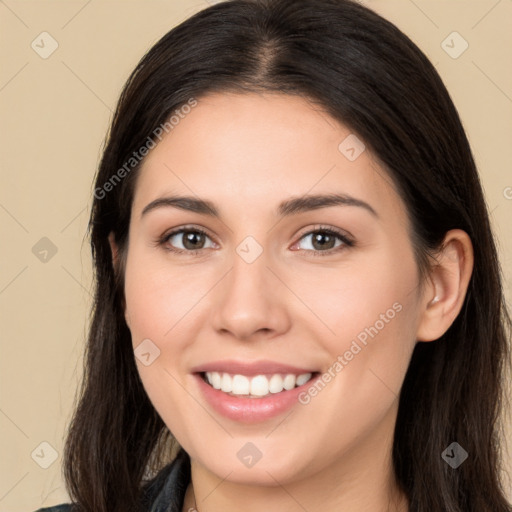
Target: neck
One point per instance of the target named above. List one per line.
(361, 479)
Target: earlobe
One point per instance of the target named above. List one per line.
(449, 281)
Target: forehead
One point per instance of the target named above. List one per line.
(250, 151)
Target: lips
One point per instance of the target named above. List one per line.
(248, 408)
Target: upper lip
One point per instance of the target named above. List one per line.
(249, 368)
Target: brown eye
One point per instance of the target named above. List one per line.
(187, 240)
(324, 241)
(193, 240)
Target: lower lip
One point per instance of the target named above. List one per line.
(251, 410)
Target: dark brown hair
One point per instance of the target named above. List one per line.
(367, 74)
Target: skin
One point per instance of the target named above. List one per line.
(247, 153)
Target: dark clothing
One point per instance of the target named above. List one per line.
(164, 493)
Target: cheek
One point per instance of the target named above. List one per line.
(373, 313)
(373, 295)
(159, 296)
(157, 301)
(146, 300)
(368, 358)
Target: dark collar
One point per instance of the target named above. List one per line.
(166, 491)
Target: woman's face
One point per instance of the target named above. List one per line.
(268, 284)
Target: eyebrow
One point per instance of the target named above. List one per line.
(286, 208)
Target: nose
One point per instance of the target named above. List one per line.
(250, 302)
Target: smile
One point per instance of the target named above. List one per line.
(255, 386)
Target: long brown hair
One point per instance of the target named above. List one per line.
(366, 73)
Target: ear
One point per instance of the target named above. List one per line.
(449, 280)
(114, 249)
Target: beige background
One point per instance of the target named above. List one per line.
(55, 113)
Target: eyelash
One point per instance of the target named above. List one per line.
(347, 242)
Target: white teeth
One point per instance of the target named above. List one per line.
(276, 384)
(241, 385)
(289, 382)
(226, 383)
(302, 379)
(260, 385)
(216, 380)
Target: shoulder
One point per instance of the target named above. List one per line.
(64, 507)
(165, 491)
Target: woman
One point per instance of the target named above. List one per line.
(298, 299)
